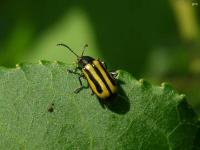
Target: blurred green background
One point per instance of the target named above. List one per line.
(156, 40)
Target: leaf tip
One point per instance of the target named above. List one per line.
(18, 66)
(58, 62)
(144, 82)
(165, 85)
(43, 62)
(55, 62)
(141, 81)
(40, 62)
(182, 96)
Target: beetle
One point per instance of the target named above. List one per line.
(101, 82)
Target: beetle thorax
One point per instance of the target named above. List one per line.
(84, 60)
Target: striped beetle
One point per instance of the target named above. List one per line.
(101, 82)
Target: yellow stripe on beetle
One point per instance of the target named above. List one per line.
(104, 72)
(95, 82)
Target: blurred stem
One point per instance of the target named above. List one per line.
(186, 19)
(189, 30)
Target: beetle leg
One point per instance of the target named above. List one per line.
(81, 85)
(113, 74)
(73, 71)
(92, 93)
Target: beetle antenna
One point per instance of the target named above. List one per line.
(84, 48)
(68, 48)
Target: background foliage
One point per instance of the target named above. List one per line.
(156, 40)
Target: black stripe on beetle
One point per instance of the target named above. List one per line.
(98, 87)
(102, 78)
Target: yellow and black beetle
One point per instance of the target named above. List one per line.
(101, 82)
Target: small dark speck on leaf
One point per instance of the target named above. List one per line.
(50, 108)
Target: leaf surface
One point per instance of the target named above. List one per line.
(39, 110)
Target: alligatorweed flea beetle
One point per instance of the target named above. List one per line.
(101, 82)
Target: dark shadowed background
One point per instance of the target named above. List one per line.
(156, 40)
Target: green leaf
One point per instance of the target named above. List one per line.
(39, 110)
